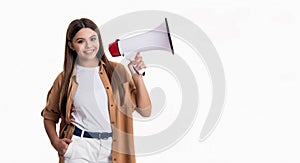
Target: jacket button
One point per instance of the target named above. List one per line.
(112, 122)
(107, 87)
(111, 105)
(115, 159)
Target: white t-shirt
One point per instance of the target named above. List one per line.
(90, 101)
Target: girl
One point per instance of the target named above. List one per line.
(93, 99)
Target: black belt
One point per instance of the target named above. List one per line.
(86, 134)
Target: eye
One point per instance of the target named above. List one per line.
(79, 41)
(93, 38)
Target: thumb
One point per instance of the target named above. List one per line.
(66, 140)
(131, 68)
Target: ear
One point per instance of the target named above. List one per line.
(71, 45)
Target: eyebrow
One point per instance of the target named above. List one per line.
(83, 38)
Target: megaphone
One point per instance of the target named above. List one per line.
(157, 39)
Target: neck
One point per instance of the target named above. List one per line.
(89, 63)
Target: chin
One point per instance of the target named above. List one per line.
(92, 56)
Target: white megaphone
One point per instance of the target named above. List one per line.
(156, 39)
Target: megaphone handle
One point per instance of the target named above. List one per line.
(141, 71)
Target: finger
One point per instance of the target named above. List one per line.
(63, 152)
(131, 68)
(140, 65)
(133, 62)
(131, 65)
(137, 61)
(66, 140)
(138, 54)
(143, 66)
(138, 58)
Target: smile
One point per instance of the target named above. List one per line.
(90, 51)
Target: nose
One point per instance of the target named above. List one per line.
(88, 44)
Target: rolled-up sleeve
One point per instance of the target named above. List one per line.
(51, 110)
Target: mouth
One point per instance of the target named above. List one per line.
(89, 51)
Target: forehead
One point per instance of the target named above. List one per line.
(85, 33)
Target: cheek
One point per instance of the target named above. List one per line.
(96, 44)
(78, 48)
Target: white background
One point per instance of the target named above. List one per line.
(257, 42)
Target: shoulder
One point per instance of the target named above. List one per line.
(115, 64)
(120, 70)
(59, 77)
(58, 80)
(118, 67)
(56, 86)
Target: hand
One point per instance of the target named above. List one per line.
(61, 145)
(136, 64)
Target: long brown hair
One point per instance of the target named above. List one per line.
(70, 57)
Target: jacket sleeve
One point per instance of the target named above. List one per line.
(126, 87)
(51, 110)
(130, 91)
(133, 94)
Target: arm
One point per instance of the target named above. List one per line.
(51, 116)
(60, 145)
(142, 97)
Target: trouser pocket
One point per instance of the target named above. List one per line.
(70, 149)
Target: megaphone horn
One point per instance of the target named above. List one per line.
(157, 39)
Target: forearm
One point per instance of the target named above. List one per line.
(50, 127)
(142, 96)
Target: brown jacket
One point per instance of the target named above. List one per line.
(122, 102)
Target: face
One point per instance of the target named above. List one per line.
(86, 44)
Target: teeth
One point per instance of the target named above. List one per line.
(89, 51)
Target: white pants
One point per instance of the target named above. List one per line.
(88, 150)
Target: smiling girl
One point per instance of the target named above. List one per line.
(93, 99)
